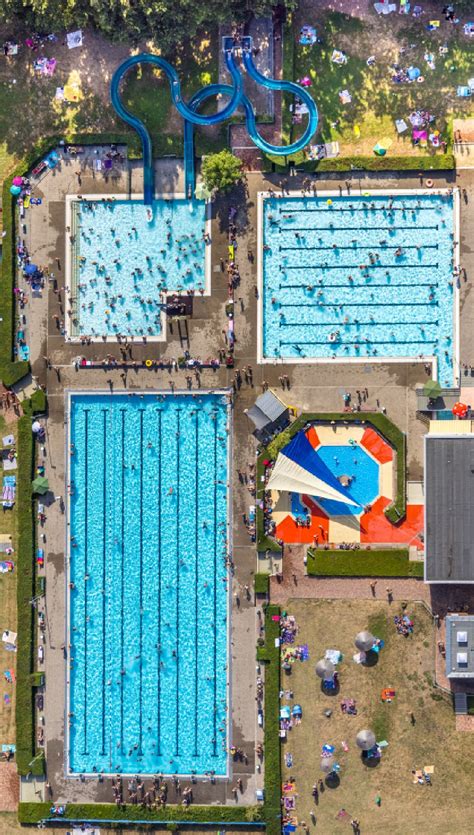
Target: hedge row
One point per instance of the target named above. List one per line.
(36, 405)
(261, 583)
(264, 542)
(25, 725)
(11, 372)
(271, 658)
(32, 813)
(395, 512)
(425, 162)
(373, 563)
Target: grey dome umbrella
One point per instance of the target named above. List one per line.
(364, 641)
(365, 740)
(327, 764)
(325, 669)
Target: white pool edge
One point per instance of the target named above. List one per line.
(69, 394)
(162, 336)
(372, 360)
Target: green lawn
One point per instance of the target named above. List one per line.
(30, 111)
(376, 100)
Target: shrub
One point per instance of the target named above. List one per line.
(36, 405)
(261, 583)
(374, 563)
(221, 171)
(32, 813)
(272, 722)
(25, 740)
(437, 162)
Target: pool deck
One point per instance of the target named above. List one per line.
(313, 388)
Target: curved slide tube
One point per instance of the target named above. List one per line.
(183, 109)
(191, 117)
(285, 87)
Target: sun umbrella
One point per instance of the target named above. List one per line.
(364, 641)
(432, 389)
(202, 192)
(17, 181)
(460, 410)
(365, 740)
(325, 669)
(15, 190)
(40, 485)
(31, 269)
(327, 764)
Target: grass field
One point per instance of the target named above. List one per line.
(8, 611)
(30, 111)
(406, 664)
(376, 100)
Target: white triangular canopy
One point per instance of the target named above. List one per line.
(292, 477)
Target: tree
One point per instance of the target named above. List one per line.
(167, 22)
(221, 171)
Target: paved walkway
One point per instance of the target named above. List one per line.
(296, 583)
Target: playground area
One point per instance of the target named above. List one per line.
(417, 722)
(331, 485)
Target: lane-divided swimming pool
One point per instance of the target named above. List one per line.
(348, 278)
(148, 583)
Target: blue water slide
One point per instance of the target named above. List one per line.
(175, 88)
(192, 117)
(285, 87)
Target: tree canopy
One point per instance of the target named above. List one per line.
(167, 22)
(221, 171)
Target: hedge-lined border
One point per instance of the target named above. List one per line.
(270, 656)
(25, 578)
(394, 512)
(362, 563)
(424, 162)
(261, 582)
(32, 813)
(12, 371)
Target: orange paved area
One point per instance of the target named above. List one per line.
(312, 437)
(375, 527)
(379, 448)
(289, 531)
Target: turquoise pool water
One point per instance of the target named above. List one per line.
(148, 610)
(350, 461)
(121, 263)
(360, 277)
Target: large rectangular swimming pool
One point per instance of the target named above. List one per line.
(148, 599)
(360, 276)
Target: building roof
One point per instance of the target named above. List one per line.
(449, 508)
(460, 646)
(267, 409)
